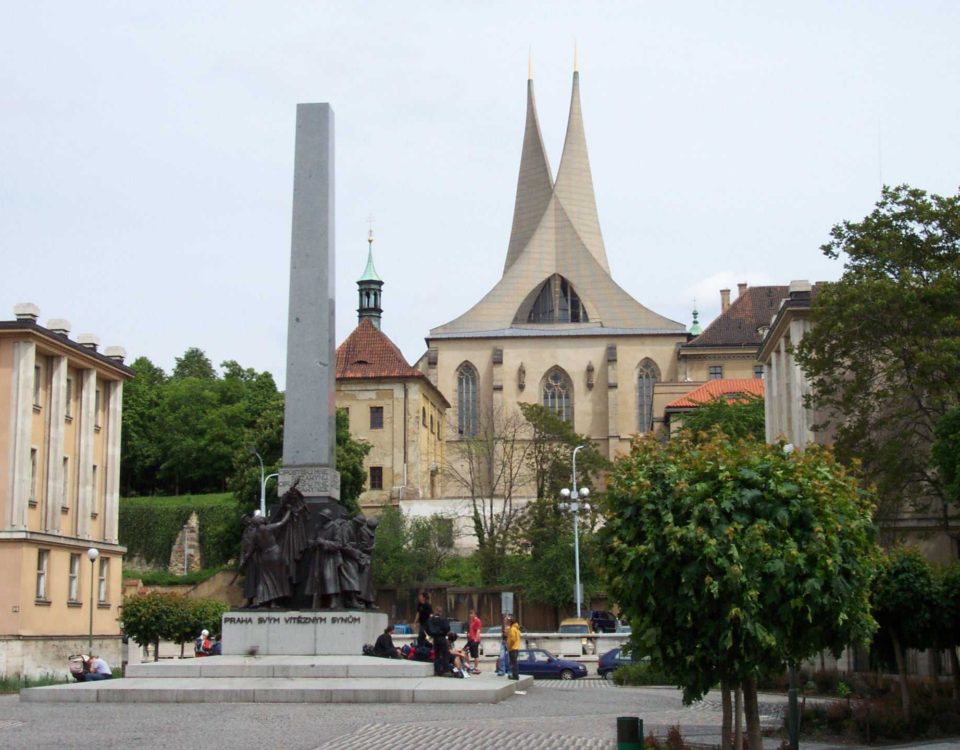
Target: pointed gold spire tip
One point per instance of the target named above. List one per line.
(530, 65)
(576, 62)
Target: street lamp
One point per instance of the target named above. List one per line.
(93, 553)
(574, 500)
(263, 482)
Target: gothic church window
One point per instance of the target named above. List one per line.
(558, 394)
(557, 302)
(647, 375)
(467, 399)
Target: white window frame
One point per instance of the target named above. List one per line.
(73, 587)
(43, 567)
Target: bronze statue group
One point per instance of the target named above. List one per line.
(324, 561)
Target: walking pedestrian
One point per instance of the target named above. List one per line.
(502, 660)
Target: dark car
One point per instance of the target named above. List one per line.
(538, 662)
(609, 662)
(603, 621)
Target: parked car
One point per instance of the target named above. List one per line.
(603, 621)
(401, 628)
(540, 663)
(580, 625)
(615, 657)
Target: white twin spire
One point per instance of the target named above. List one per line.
(572, 193)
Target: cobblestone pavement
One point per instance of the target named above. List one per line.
(579, 714)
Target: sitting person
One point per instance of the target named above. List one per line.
(203, 646)
(384, 646)
(458, 657)
(97, 669)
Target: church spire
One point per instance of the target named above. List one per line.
(370, 287)
(534, 183)
(574, 187)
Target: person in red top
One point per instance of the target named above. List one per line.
(473, 640)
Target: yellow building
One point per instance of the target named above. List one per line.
(60, 420)
(391, 405)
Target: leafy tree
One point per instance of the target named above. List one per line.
(194, 364)
(946, 453)
(733, 559)
(141, 455)
(947, 627)
(883, 354)
(491, 467)
(411, 550)
(547, 572)
(149, 618)
(905, 602)
(350, 454)
(737, 418)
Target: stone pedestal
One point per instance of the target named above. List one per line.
(296, 633)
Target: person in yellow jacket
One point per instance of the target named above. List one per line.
(513, 648)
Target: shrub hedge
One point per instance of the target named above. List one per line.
(149, 526)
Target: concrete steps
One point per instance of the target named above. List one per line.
(283, 679)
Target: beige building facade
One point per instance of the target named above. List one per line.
(392, 407)
(556, 329)
(60, 422)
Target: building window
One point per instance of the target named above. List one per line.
(96, 410)
(557, 302)
(37, 378)
(467, 397)
(431, 423)
(65, 502)
(423, 415)
(43, 560)
(33, 476)
(69, 410)
(103, 579)
(647, 375)
(715, 372)
(758, 372)
(558, 394)
(73, 589)
(376, 417)
(376, 477)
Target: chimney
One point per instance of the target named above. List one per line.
(800, 288)
(88, 341)
(59, 325)
(724, 300)
(26, 311)
(117, 353)
(741, 289)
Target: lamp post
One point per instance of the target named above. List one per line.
(572, 501)
(793, 711)
(264, 478)
(93, 553)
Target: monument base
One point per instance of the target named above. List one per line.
(295, 633)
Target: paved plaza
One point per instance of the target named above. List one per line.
(551, 714)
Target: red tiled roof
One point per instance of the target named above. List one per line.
(368, 353)
(715, 389)
(738, 325)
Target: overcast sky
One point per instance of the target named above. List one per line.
(146, 150)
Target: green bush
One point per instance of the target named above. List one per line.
(161, 615)
(642, 673)
(149, 526)
(16, 683)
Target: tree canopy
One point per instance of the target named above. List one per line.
(883, 354)
(733, 559)
(736, 418)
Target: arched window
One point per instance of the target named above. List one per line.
(468, 381)
(558, 394)
(647, 374)
(557, 302)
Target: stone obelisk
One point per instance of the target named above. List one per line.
(309, 430)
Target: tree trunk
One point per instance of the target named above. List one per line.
(727, 723)
(955, 668)
(901, 675)
(737, 718)
(752, 711)
(156, 650)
